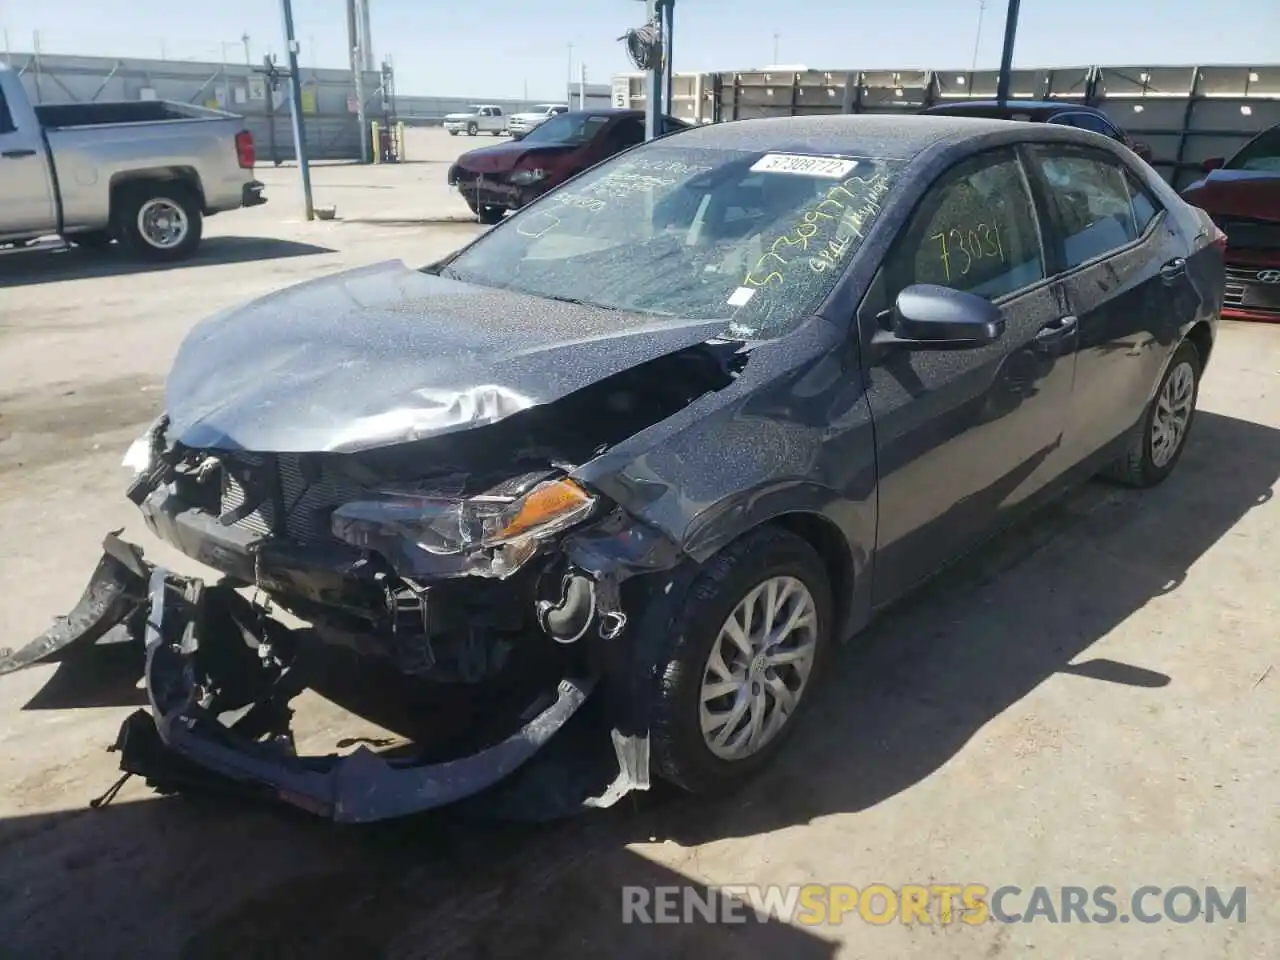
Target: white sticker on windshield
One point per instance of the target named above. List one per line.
(833, 167)
(740, 297)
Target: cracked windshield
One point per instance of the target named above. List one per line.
(755, 239)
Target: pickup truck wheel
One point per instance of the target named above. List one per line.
(472, 129)
(1156, 444)
(743, 647)
(453, 133)
(489, 215)
(161, 222)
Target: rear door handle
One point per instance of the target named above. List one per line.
(16, 154)
(1057, 329)
(1174, 269)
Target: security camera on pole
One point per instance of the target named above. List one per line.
(649, 48)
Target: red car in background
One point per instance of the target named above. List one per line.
(1243, 197)
(506, 176)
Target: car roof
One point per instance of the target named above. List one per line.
(871, 135)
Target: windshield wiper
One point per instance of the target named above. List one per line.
(576, 302)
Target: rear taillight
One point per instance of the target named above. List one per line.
(246, 153)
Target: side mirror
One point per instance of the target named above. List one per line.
(1213, 163)
(930, 317)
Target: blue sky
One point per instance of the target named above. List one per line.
(514, 47)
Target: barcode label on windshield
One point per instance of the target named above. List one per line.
(833, 167)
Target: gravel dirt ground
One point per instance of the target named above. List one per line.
(1090, 700)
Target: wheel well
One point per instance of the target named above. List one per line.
(185, 176)
(1201, 338)
(825, 537)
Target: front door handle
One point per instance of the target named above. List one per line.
(1174, 269)
(1058, 329)
(17, 154)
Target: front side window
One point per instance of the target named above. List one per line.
(974, 231)
(756, 239)
(6, 121)
(1260, 153)
(1095, 201)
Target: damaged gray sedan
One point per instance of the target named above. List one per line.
(654, 444)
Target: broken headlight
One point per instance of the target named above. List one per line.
(483, 536)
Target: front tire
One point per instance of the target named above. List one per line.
(1156, 444)
(745, 645)
(159, 221)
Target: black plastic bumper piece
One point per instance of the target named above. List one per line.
(252, 194)
(116, 591)
(362, 786)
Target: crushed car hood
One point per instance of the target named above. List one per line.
(386, 354)
(506, 156)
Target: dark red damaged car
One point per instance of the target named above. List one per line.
(1243, 197)
(508, 175)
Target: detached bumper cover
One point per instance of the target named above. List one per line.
(358, 787)
(116, 592)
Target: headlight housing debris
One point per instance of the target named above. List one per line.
(488, 536)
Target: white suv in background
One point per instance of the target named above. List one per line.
(519, 124)
(482, 118)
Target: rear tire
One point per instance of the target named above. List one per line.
(691, 632)
(472, 129)
(1155, 445)
(453, 133)
(490, 215)
(159, 221)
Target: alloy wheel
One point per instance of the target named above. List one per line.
(758, 668)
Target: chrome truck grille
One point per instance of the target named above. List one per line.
(1252, 288)
(293, 499)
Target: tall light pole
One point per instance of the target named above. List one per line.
(977, 37)
(295, 104)
(775, 60)
(1006, 55)
(355, 41)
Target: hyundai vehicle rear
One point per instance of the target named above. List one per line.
(1242, 195)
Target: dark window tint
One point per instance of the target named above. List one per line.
(6, 121)
(1144, 207)
(1091, 121)
(1094, 197)
(1261, 153)
(975, 230)
(627, 133)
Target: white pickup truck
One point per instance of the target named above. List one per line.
(518, 124)
(144, 173)
(482, 118)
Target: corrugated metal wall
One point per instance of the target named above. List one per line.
(1186, 113)
(328, 96)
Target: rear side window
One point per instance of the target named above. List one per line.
(1091, 121)
(1099, 205)
(1261, 153)
(975, 230)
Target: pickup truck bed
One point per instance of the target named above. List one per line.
(144, 173)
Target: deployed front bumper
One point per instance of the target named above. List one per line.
(358, 787)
